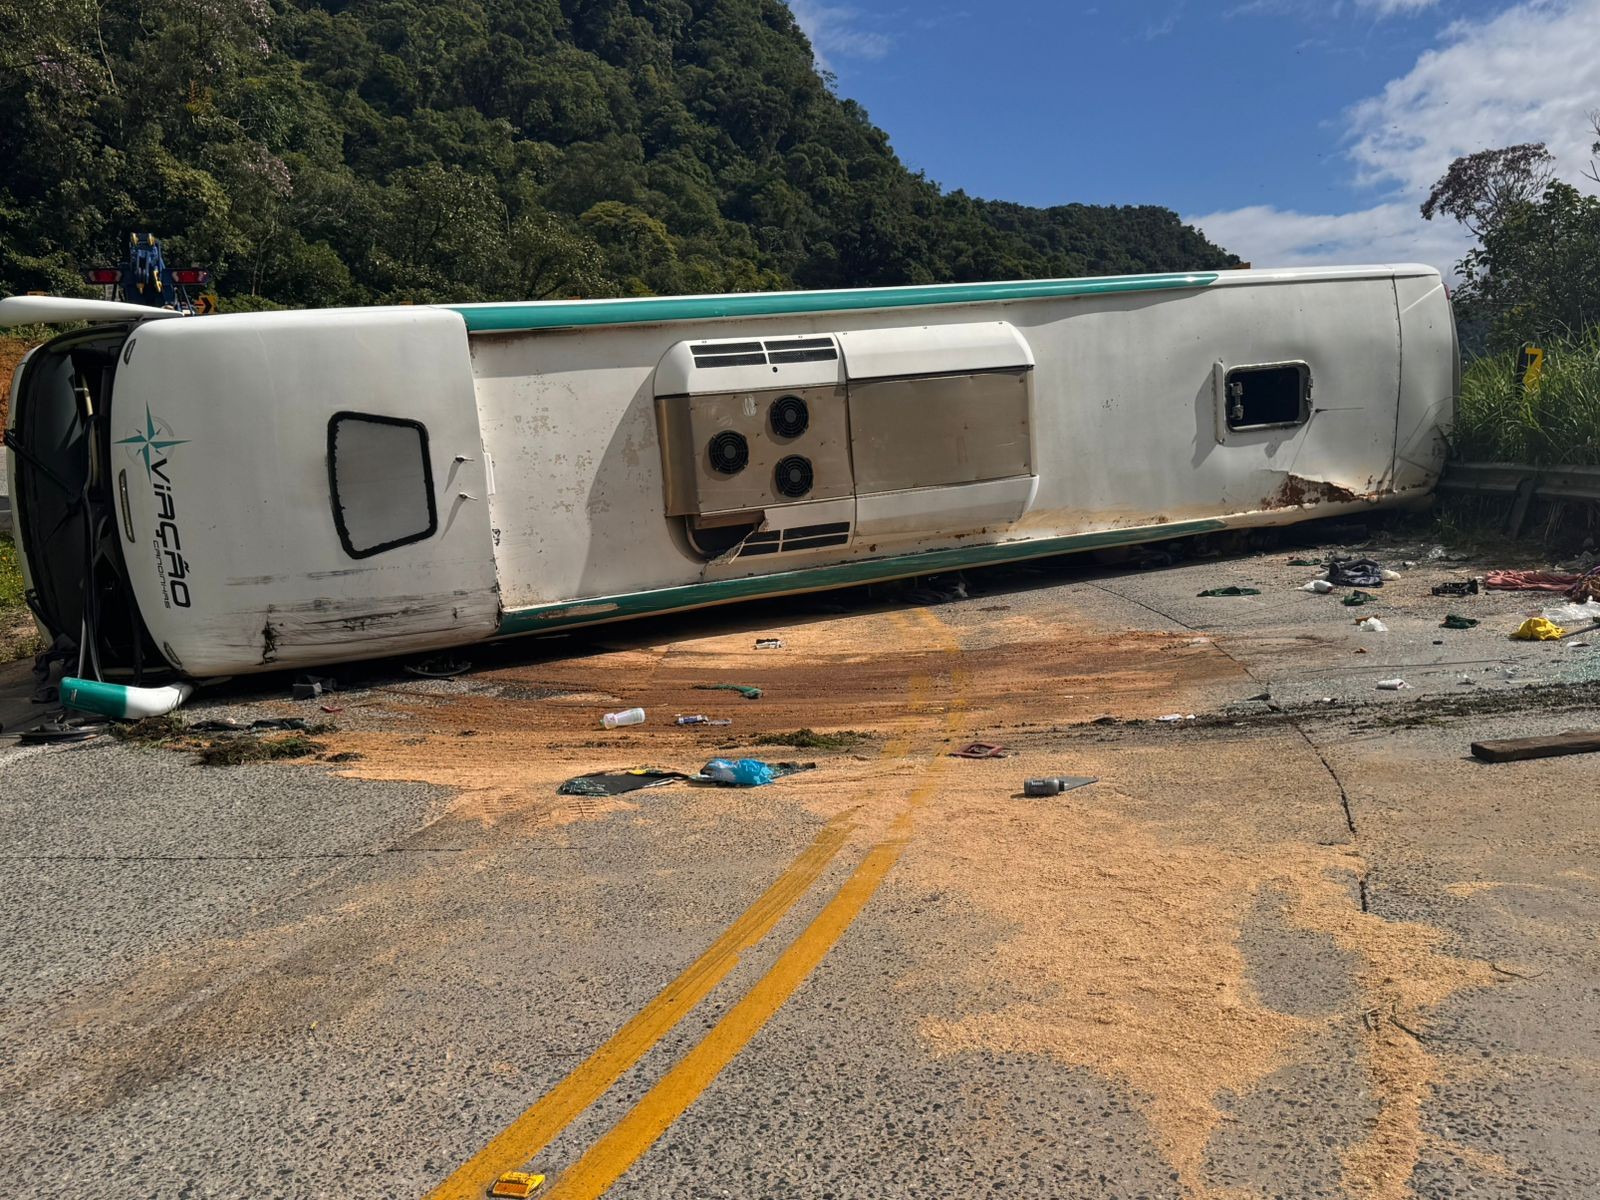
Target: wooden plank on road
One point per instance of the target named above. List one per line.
(1513, 749)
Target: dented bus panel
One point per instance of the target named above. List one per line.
(242, 493)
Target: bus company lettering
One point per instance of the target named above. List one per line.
(171, 566)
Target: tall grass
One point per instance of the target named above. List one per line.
(1557, 422)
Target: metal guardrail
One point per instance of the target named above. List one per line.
(1523, 484)
(1508, 479)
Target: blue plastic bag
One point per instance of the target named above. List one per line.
(743, 772)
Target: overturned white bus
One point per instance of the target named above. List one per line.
(228, 494)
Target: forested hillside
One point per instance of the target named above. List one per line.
(318, 152)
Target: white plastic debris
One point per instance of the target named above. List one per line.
(1570, 616)
(1388, 576)
(1392, 685)
(1320, 586)
(1176, 717)
(1373, 625)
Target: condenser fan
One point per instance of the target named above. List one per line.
(789, 416)
(729, 452)
(793, 476)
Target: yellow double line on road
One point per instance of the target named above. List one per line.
(621, 1146)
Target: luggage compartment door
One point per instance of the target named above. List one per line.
(941, 428)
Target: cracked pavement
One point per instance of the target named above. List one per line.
(1298, 947)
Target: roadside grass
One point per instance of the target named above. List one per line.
(1557, 422)
(19, 636)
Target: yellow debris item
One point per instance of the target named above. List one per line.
(517, 1184)
(1537, 629)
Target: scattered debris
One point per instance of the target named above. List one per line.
(1456, 621)
(937, 589)
(1320, 586)
(1515, 749)
(1172, 717)
(1306, 562)
(309, 687)
(1231, 591)
(237, 749)
(744, 689)
(617, 782)
(1372, 625)
(1355, 572)
(168, 727)
(1537, 629)
(1456, 587)
(1573, 615)
(810, 739)
(769, 643)
(72, 730)
(1055, 785)
(628, 716)
(748, 772)
(1578, 587)
(979, 750)
(158, 731)
(518, 1185)
(441, 666)
(1392, 685)
(1357, 598)
(701, 719)
(333, 708)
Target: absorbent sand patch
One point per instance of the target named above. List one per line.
(1124, 952)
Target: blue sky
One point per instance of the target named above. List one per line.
(1292, 131)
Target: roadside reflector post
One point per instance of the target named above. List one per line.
(1530, 365)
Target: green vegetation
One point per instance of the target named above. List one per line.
(1557, 423)
(316, 152)
(237, 749)
(226, 749)
(19, 636)
(1533, 277)
(810, 739)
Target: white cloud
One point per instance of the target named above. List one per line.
(1265, 236)
(835, 32)
(1389, 8)
(1320, 10)
(1529, 74)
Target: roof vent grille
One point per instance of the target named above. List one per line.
(773, 352)
(802, 537)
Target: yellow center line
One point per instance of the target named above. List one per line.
(622, 1145)
(539, 1125)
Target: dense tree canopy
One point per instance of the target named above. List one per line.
(1535, 272)
(317, 152)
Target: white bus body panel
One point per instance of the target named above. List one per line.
(239, 407)
(1064, 414)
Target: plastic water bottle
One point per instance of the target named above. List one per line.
(628, 716)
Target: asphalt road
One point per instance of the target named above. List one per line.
(1297, 947)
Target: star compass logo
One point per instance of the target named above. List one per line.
(152, 446)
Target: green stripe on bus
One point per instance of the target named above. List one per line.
(562, 314)
(540, 618)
